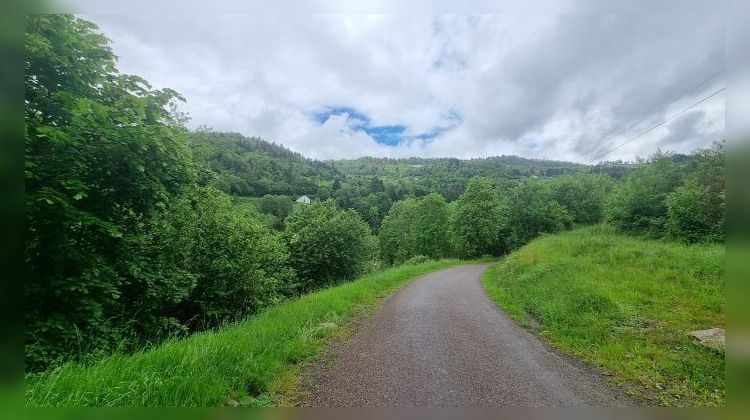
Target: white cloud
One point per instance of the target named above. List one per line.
(542, 86)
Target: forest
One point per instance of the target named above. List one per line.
(137, 229)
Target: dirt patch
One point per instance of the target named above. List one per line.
(295, 391)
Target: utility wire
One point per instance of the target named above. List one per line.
(696, 87)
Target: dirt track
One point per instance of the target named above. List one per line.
(440, 341)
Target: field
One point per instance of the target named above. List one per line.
(242, 364)
(623, 304)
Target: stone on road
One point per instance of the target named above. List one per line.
(440, 341)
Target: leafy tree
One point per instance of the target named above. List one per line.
(102, 149)
(395, 239)
(479, 220)
(415, 227)
(694, 214)
(240, 266)
(280, 206)
(430, 227)
(327, 245)
(582, 195)
(532, 211)
(372, 207)
(696, 209)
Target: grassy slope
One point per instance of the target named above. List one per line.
(243, 362)
(624, 304)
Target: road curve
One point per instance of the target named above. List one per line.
(440, 341)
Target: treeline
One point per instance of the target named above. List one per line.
(490, 219)
(676, 197)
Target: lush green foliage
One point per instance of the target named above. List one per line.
(102, 151)
(252, 167)
(673, 198)
(124, 246)
(246, 362)
(478, 219)
(239, 265)
(280, 206)
(624, 304)
(327, 245)
(415, 227)
(583, 196)
(533, 211)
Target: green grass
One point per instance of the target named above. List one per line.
(624, 304)
(246, 362)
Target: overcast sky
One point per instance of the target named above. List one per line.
(562, 87)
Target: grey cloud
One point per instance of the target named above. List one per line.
(568, 84)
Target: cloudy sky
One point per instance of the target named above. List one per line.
(567, 87)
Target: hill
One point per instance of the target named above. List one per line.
(624, 304)
(250, 166)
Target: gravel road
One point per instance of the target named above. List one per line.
(440, 341)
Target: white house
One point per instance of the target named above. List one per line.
(304, 199)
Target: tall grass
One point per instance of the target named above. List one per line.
(624, 304)
(242, 363)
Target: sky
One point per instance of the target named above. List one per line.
(563, 87)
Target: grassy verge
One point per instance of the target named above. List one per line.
(624, 304)
(244, 362)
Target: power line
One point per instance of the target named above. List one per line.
(630, 127)
(658, 125)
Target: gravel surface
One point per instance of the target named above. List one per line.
(440, 341)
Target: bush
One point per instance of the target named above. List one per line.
(638, 204)
(327, 245)
(674, 198)
(695, 214)
(240, 266)
(417, 259)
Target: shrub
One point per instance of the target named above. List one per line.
(327, 245)
(695, 214)
(638, 204)
(240, 266)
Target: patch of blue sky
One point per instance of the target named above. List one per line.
(390, 135)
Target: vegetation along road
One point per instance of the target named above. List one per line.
(440, 341)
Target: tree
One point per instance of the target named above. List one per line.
(102, 150)
(415, 227)
(239, 265)
(533, 211)
(582, 195)
(327, 245)
(395, 239)
(696, 209)
(478, 220)
(280, 206)
(694, 214)
(430, 227)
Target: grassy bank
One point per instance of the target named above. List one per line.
(244, 362)
(624, 304)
